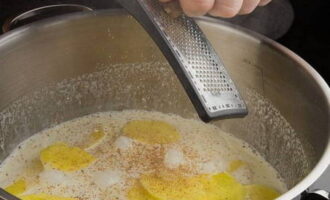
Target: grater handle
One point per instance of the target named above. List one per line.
(207, 112)
(136, 10)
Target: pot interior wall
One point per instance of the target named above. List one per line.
(59, 70)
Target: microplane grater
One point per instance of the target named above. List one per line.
(192, 58)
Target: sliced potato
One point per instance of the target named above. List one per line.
(93, 139)
(260, 192)
(235, 165)
(18, 187)
(62, 157)
(225, 187)
(180, 188)
(43, 196)
(221, 186)
(151, 132)
(137, 192)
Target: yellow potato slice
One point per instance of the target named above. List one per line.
(96, 135)
(221, 186)
(18, 187)
(151, 132)
(94, 138)
(225, 187)
(235, 165)
(260, 192)
(65, 158)
(137, 192)
(43, 196)
(180, 188)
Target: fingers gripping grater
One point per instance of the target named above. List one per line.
(193, 59)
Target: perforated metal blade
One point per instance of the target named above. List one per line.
(193, 59)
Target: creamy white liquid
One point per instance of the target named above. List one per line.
(202, 148)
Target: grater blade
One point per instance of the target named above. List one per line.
(192, 58)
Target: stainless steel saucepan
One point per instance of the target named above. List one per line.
(65, 67)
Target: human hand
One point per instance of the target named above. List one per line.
(219, 8)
